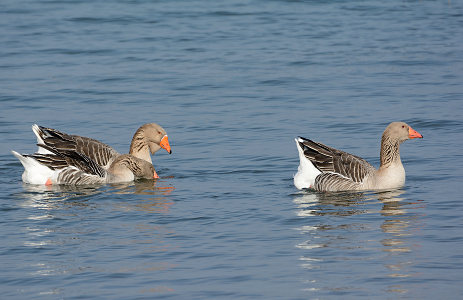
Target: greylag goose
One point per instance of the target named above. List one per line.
(58, 151)
(324, 169)
(73, 168)
(147, 140)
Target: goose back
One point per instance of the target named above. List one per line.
(97, 151)
(331, 160)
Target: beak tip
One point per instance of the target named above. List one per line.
(413, 134)
(165, 144)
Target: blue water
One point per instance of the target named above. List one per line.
(233, 82)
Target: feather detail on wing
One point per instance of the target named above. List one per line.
(68, 158)
(97, 151)
(332, 161)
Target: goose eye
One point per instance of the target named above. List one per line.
(403, 126)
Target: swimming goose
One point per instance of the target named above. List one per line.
(58, 151)
(147, 140)
(73, 168)
(324, 169)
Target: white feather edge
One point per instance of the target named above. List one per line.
(36, 130)
(306, 172)
(34, 172)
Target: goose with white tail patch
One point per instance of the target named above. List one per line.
(148, 139)
(76, 160)
(72, 168)
(327, 169)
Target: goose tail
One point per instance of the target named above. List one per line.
(34, 172)
(306, 172)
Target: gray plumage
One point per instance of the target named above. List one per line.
(71, 159)
(73, 168)
(339, 170)
(324, 168)
(148, 139)
(99, 152)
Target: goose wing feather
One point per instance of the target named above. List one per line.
(95, 150)
(328, 159)
(68, 158)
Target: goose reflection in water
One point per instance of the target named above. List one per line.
(157, 200)
(57, 196)
(66, 219)
(339, 228)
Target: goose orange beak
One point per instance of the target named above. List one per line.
(413, 134)
(165, 144)
(155, 175)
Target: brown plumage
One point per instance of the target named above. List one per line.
(147, 140)
(71, 159)
(327, 169)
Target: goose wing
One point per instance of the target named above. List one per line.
(68, 159)
(328, 159)
(92, 149)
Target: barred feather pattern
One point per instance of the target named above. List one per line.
(332, 182)
(97, 151)
(77, 169)
(389, 150)
(75, 160)
(138, 141)
(328, 159)
(339, 170)
(67, 158)
(52, 161)
(73, 176)
(139, 167)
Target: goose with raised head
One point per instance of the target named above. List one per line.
(71, 159)
(323, 168)
(148, 139)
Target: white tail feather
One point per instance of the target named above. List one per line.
(307, 172)
(34, 172)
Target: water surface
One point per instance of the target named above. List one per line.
(233, 83)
